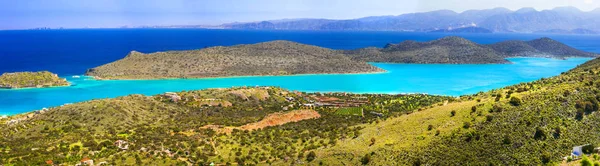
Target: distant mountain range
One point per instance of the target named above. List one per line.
(526, 20)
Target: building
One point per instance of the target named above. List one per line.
(173, 96)
(123, 145)
(85, 161)
(577, 151)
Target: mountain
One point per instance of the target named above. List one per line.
(457, 50)
(525, 20)
(453, 50)
(463, 30)
(269, 58)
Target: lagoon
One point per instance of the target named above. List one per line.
(440, 79)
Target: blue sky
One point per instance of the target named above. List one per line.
(22, 14)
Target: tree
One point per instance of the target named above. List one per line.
(311, 156)
(585, 161)
(515, 101)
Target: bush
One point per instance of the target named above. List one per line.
(473, 109)
(467, 125)
(588, 149)
(539, 134)
(430, 127)
(515, 101)
(311, 156)
(585, 161)
(366, 159)
(452, 113)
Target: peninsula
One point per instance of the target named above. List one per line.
(269, 58)
(31, 80)
(288, 58)
(535, 123)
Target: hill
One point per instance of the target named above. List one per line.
(31, 80)
(269, 58)
(457, 50)
(453, 50)
(259, 126)
(533, 123)
(543, 47)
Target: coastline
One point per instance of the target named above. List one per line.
(25, 88)
(221, 77)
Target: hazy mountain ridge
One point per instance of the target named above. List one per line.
(525, 20)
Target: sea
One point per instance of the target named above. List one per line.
(69, 53)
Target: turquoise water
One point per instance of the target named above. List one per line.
(442, 79)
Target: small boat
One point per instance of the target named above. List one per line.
(76, 76)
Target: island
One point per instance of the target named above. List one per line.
(289, 58)
(533, 123)
(41, 79)
(457, 50)
(268, 58)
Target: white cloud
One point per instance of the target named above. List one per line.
(588, 1)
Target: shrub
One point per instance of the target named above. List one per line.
(489, 118)
(515, 101)
(311, 156)
(473, 109)
(588, 149)
(430, 127)
(506, 140)
(585, 161)
(366, 159)
(467, 125)
(452, 113)
(539, 134)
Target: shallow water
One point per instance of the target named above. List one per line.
(442, 79)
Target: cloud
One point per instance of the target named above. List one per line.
(588, 1)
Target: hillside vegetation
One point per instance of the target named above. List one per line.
(269, 58)
(31, 80)
(533, 123)
(266, 125)
(457, 50)
(543, 47)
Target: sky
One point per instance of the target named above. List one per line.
(26, 14)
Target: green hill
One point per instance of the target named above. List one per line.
(543, 47)
(453, 50)
(182, 128)
(269, 58)
(457, 50)
(31, 80)
(527, 124)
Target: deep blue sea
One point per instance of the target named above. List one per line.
(71, 52)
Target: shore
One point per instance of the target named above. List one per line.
(220, 77)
